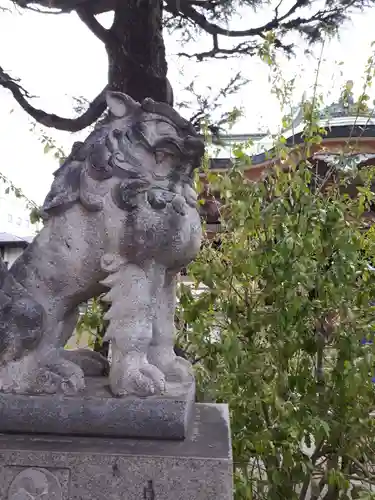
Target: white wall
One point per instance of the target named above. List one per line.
(14, 214)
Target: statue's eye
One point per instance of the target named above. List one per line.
(165, 129)
(164, 156)
(164, 164)
(160, 156)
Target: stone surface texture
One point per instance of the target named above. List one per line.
(199, 468)
(96, 413)
(121, 219)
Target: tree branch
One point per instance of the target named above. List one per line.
(179, 7)
(207, 105)
(206, 4)
(89, 19)
(93, 112)
(66, 6)
(63, 6)
(216, 52)
(185, 8)
(40, 11)
(311, 26)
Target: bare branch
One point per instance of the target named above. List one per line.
(248, 48)
(206, 4)
(39, 11)
(93, 24)
(210, 102)
(93, 112)
(62, 6)
(66, 6)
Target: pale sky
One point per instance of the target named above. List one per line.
(57, 58)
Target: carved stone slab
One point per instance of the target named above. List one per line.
(95, 412)
(34, 483)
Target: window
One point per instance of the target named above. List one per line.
(10, 218)
(19, 221)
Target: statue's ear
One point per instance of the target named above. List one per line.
(120, 104)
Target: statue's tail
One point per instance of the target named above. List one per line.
(21, 318)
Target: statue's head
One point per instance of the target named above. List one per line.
(148, 144)
(145, 147)
(152, 132)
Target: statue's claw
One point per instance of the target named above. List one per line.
(175, 368)
(179, 370)
(134, 376)
(53, 375)
(69, 377)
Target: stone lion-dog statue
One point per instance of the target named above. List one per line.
(121, 218)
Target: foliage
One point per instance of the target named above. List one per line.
(283, 323)
(49, 147)
(91, 324)
(207, 104)
(49, 144)
(18, 193)
(289, 292)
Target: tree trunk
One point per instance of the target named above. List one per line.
(136, 52)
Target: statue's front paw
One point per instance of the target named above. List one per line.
(131, 376)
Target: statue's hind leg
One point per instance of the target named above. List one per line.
(130, 331)
(41, 371)
(36, 368)
(161, 351)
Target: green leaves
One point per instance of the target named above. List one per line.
(18, 193)
(91, 324)
(279, 329)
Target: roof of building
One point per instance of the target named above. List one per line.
(341, 119)
(12, 240)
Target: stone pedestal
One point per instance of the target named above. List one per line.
(88, 468)
(95, 412)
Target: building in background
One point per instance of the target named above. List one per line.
(349, 142)
(14, 214)
(12, 246)
(16, 230)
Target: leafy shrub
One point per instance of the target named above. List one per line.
(283, 328)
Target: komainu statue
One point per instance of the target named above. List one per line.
(120, 219)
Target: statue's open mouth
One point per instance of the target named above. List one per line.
(158, 196)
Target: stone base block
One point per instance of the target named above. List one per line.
(95, 412)
(83, 468)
